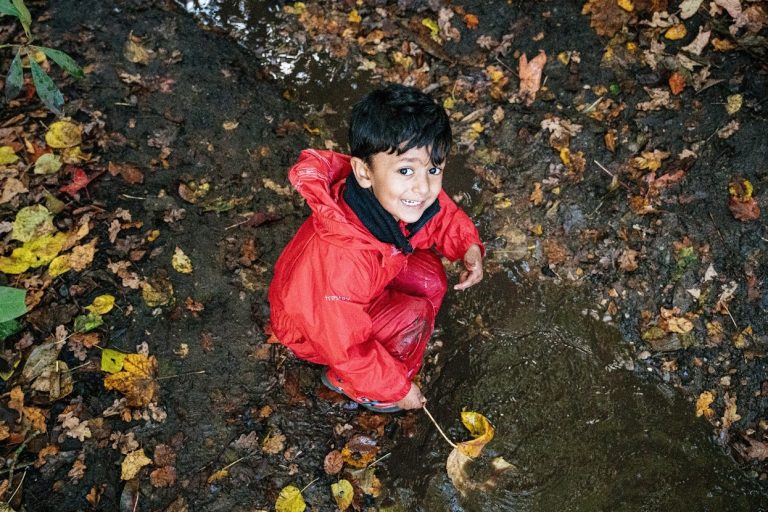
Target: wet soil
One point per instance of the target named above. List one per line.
(645, 390)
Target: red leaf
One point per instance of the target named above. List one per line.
(676, 83)
(745, 211)
(79, 181)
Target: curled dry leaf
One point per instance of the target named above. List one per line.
(530, 76)
(333, 462)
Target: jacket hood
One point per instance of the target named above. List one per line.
(319, 177)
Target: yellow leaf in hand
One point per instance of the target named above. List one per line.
(290, 500)
(480, 428)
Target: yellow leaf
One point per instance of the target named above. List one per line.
(297, 8)
(564, 58)
(32, 222)
(136, 380)
(679, 325)
(13, 264)
(733, 103)
(449, 103)
(495, 73)
(63, 134)
(102, 304)
(112, 361)
(159, 292)
(676, 32)
(343, 493)
(59, 265)
(433, 27)
(7, 155)
(354, 17)
(565, 156)
(702, 405)
(741, 340)
(480, 428)
(729, 415)
(218, 475)
(47, 164)
(290, 500)
(133, 463)
(477, 127)
(627, 5)
(181, 262)
(153, 235)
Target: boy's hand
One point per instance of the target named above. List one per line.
(413, 400)
(473, 262)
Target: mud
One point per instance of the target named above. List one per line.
(644, 393)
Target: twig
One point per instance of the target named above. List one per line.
(424, 407)
(133, 197)
(716, 228)
(18, 451)
(310, 483)
(730, 315)
(17, 487)
(592, 105)
(613, 176)
(238, 460)
(378, 460)
(181, 375)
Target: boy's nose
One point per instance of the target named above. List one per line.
(421, 185)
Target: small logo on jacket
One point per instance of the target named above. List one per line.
(336, 297)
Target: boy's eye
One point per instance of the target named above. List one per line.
(405, 171)
(435, 171)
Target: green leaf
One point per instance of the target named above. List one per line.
(15, 79)
(24, 16)
(47, 91)
(9, 328)
(11, 303)
(112, 361)
(63, 60)
(89, 322)
(7, 8)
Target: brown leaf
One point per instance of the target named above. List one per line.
(136, 380)
(163, 477)
(628, 260)
(333, 462)
(757, 450)
(130, 173)
(530, 76)
(164, 456)
(607, 16)
(273, 443)
(360, 451)
(206, 342)
(744, 211)
(676, 83)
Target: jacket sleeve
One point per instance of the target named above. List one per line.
(453, 231)
(336, 321)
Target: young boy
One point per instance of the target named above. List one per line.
(357, 289)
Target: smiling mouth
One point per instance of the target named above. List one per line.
(411, 203)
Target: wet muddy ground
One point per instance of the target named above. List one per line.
(535, 348)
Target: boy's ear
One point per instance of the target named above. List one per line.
(361, 171)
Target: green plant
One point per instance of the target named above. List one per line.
(47, 91)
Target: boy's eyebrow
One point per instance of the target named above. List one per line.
(412, 159)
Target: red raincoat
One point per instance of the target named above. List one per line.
(333, 276)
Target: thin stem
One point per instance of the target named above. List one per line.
(379, 460)
(181, 375)
(424, 407)
(310, 483)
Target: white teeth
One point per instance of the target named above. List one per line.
(411, 203)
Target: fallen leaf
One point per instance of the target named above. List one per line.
(181, 262)
(537, 196)
(63, 134)
(218, 475)
(12, 188)
(32, 222)
(730, 416)
(136, 380)
(8, 155)
(343, 493)
(48, 164)
(757, 450)
(628, 260)
(530, 76)
(163, 477)
(689, 7)
(333, 462)
(471, 21)
(230, 125)
(135, 52)
(703, 405)
(679, 325)
(359, 451)
(133, 463)
(273, 443)
(290, 500)
(676, 83)
(627, 5)
(157, 292)
(79, 181)
(697, 46)
(676, 32)
(102, 304)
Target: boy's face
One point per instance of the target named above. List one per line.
(405, 185)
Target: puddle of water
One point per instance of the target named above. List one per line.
(584, 433)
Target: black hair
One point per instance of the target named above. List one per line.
(396, 119)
